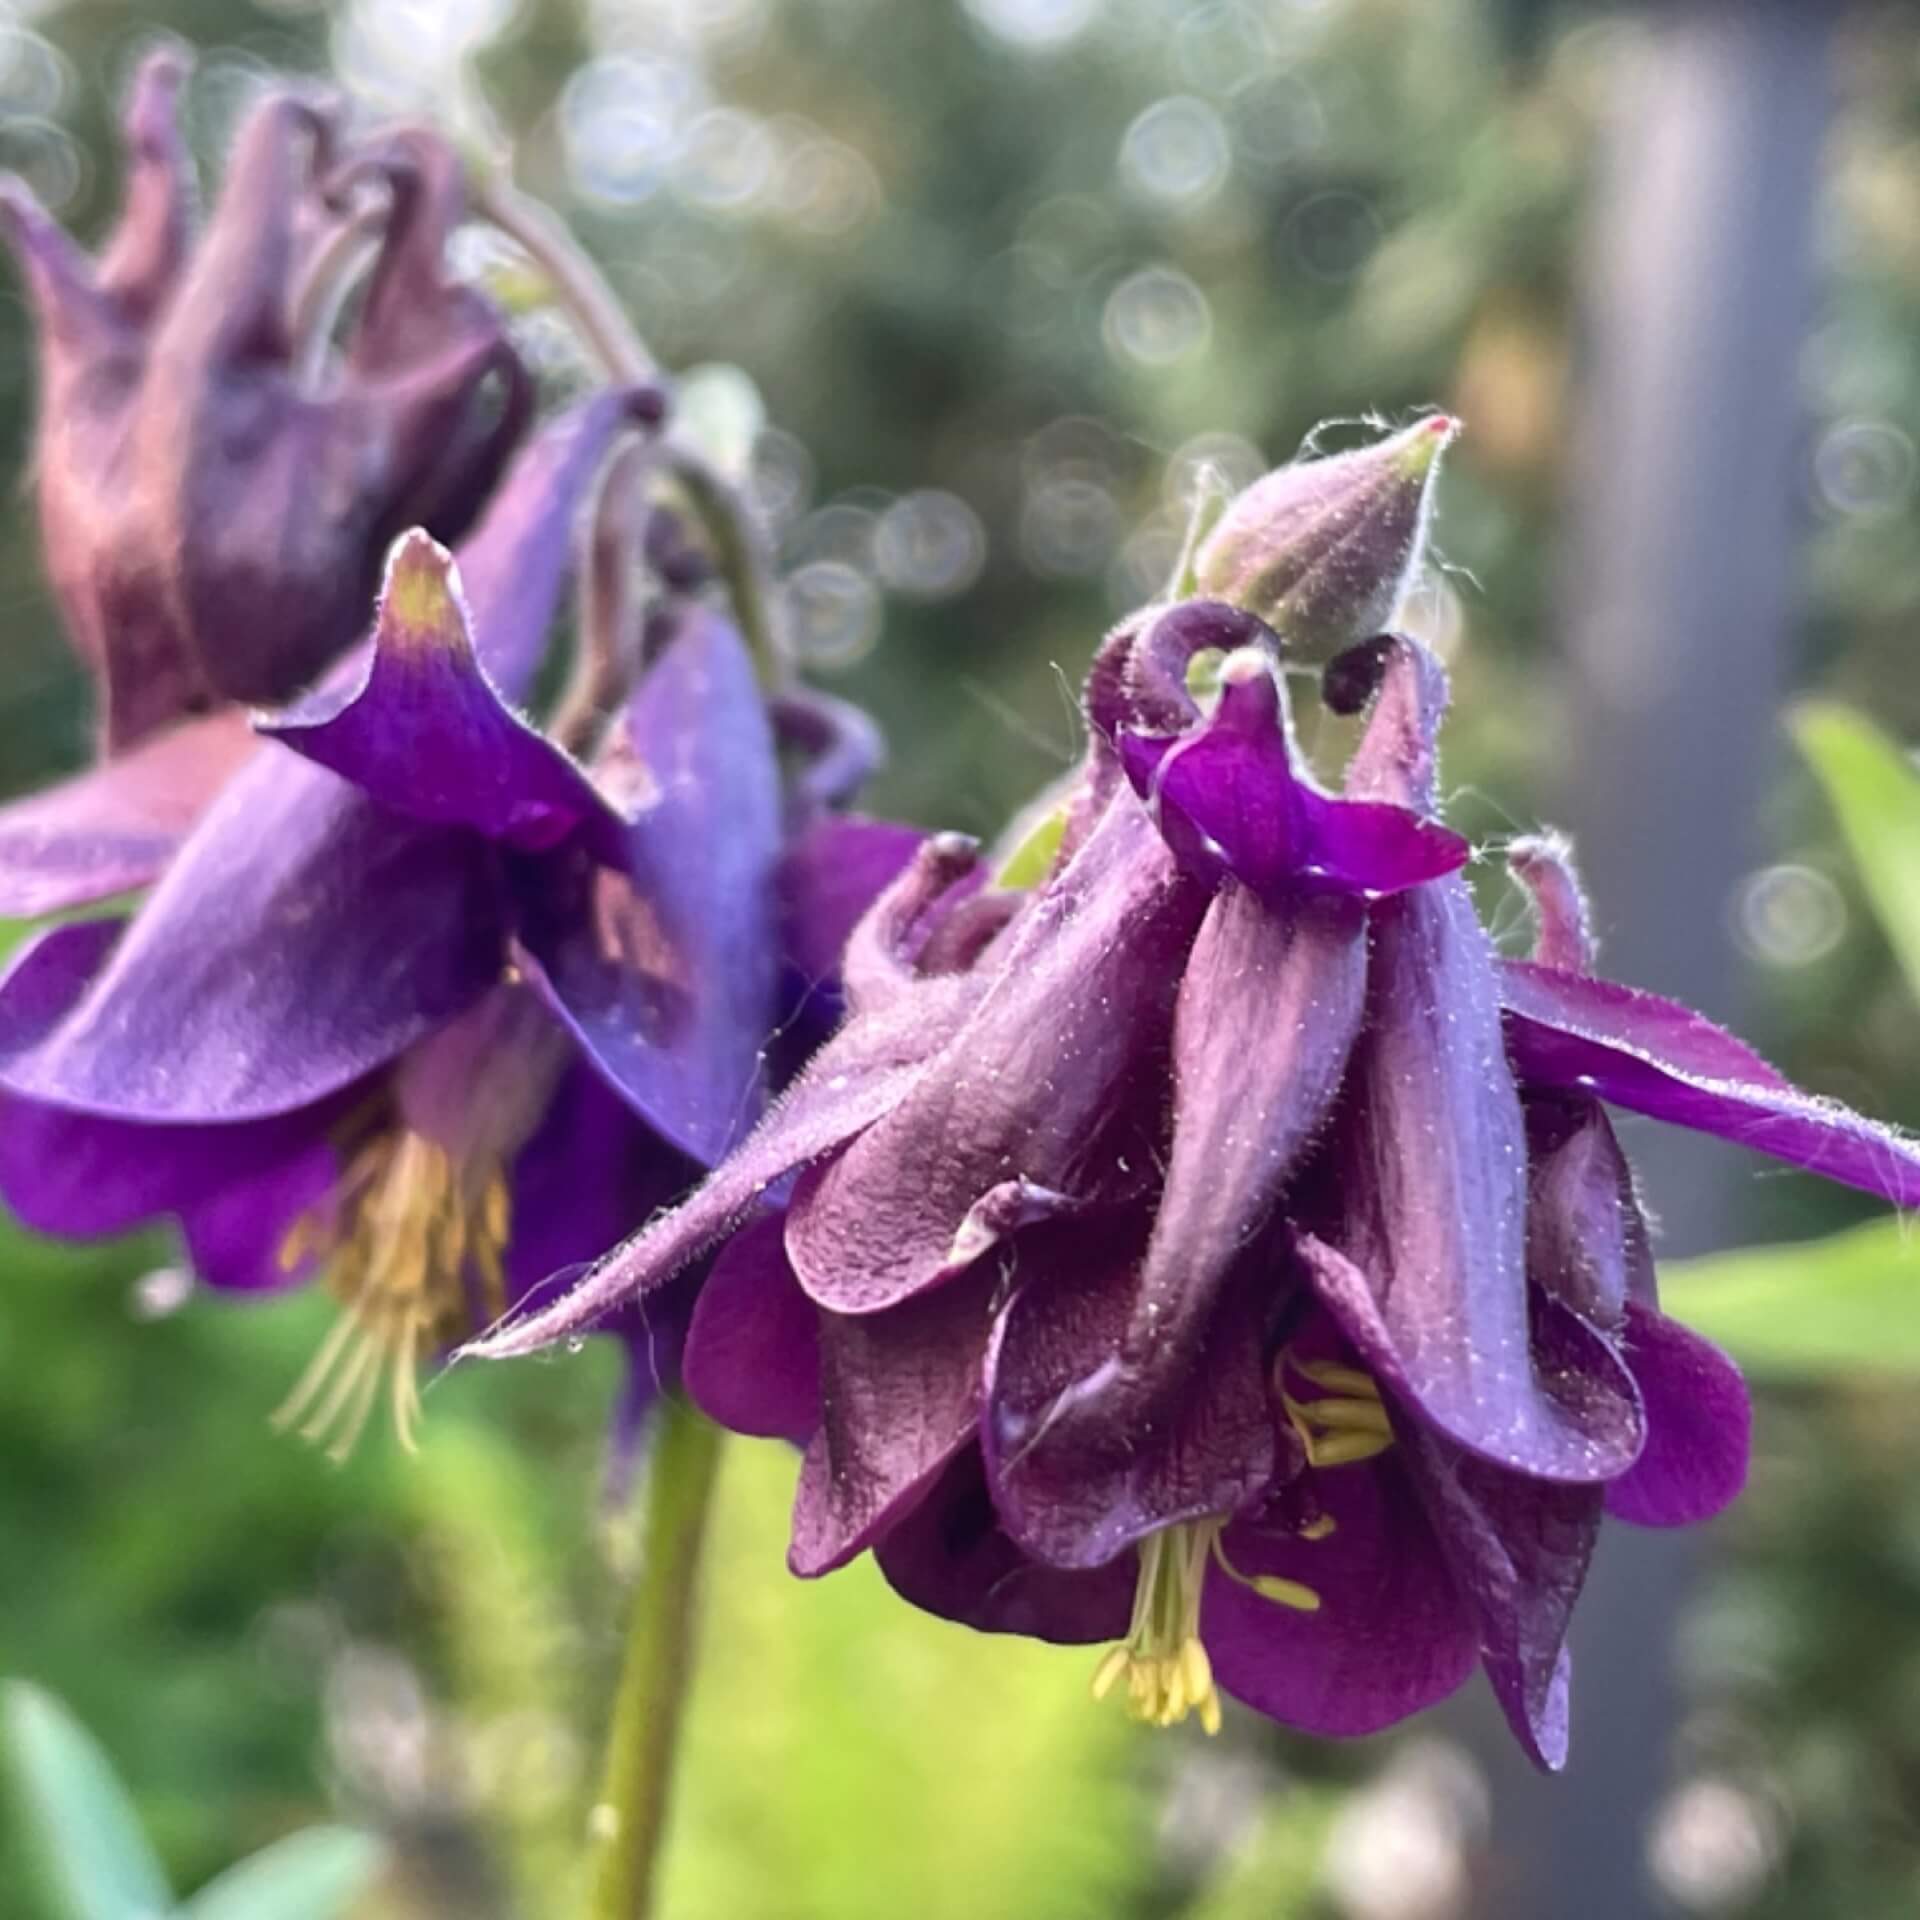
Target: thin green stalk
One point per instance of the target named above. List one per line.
(629, 1819)
(740, 544)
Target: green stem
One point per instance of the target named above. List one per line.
(630, 1816)
(742, 551)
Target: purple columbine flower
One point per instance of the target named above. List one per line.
(1219, 1250)
(216, 484)
(422, 1006)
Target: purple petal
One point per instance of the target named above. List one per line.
(1143, 1403)
(753, 1355)
(236, 1237)
(668, 978)
(1699, 1426)
(301, 938)
(1519, 1550)
(1430, 1167)
(1025, 1090)
(880, 963)
(1392, 1634)
(830, 875)
(1229, 794)
(421, 729)
(862, 1073)
(1587, 1242)
(951, 1557)
(516, 562)
(1640, 1051)
(114, 828)
(899, 1397)
(141, 262)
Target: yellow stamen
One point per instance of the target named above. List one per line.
(415, 1246)
(1338, 1379)
(1319, 1527)
(1343, 1426)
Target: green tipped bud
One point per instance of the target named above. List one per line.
(1323, 550)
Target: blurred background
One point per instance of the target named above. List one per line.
(1006, 274)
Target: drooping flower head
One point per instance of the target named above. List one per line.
(1209, 1250)
(216, 482)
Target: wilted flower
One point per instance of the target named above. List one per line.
(1179, 1255)
(419, 1006)
(216, 487)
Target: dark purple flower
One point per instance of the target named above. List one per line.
(418, 1006)
(216, 486)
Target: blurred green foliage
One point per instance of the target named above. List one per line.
(1032, 282)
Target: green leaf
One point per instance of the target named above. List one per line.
(1813, 1309)
(1875, 794)
(73, 1815)
(315, 1875)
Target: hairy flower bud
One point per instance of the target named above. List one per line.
(1322, 550)
(216, 487)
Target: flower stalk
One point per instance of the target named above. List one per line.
(629, 1818)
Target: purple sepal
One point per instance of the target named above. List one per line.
(829, 875)
(251, 985)
(753, 1352)
(422, 730)
(1024, 1090)
(115, 827)
(1637, 1050)
(1519, 1549)
(667, 977)
(1228, 795)
(1392, 1634)
(1699, 1426)
(237, 1237)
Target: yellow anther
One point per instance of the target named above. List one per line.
(1283, 1593)
(1319, 1527)
(415, 1246)
(1336, 1378)
(1347, 1449)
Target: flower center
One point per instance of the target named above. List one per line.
(1168, 1673)
(414, 1242)
(1345, 1424)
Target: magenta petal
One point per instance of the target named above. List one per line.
(301, 938)
(1025, 1089)
(422, 730)
(1392, 1634)
(1519, 1549)
(1429, 1164)
(1699, 1426)
(668, 978)
(951, 1557)
(753, 1354)
(116, 826)
(1640, 1051)
(899, 1397)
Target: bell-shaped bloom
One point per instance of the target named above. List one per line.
(216, 486)
(423, 1005)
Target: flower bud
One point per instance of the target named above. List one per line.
(216, 487)
(1322, 550)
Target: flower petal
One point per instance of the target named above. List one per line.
(829, 876)
(899, 1397)
(301, 938)
(421, 729)
(1430, 1174)
(1519, 1549)
(236, 1237)
(668, 978)
(1026, 1090)
(753, 1355)
(1138, 1400)
(951, 1557)
(1392, 1634)
(1699, 1426)
(1640, 1051)
(1587, 1242)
